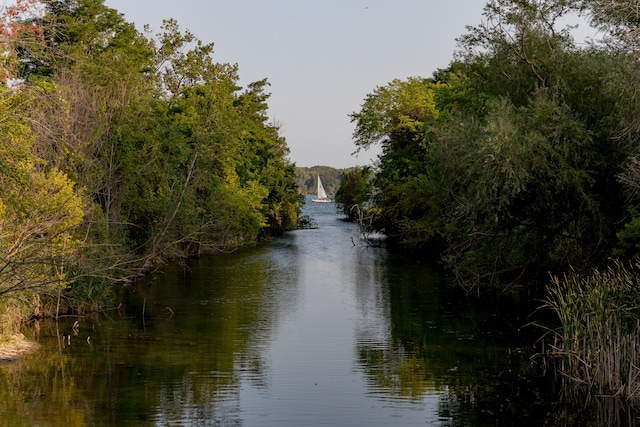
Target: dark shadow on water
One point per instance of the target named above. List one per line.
(310, 329)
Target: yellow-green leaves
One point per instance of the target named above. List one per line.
(401, 107)
(171, 159)
(39, 210)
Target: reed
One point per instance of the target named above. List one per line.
(598, 343)
(13, 313)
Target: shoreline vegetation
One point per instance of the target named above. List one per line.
(121, 151)
(518, 162)
(16, 346)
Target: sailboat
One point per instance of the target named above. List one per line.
(322, 195)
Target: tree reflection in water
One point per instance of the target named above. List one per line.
(232, 342)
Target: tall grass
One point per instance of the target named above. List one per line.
(598, 343)
(13, 313)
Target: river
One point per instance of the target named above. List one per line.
(316, 328)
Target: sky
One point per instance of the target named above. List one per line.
(321, 57)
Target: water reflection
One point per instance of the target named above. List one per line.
(395, 369)
(309, 330)
(222, 317)
(419, 339)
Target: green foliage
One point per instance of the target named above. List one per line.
(215, 174)
(506, 163)
(395, 113)
(618, 19)
(138, 150)
(629, 238)
(355, 191)
(39, 211)
(523, 191)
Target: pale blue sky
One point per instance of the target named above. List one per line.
(322, 57)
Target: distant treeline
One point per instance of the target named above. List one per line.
(306, 179)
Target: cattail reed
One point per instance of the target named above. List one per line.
(598, 343)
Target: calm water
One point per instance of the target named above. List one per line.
(314, 329)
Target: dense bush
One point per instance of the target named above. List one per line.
(508, 162)
(121, 151)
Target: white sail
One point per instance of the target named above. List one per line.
(322, 195)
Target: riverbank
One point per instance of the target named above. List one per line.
(15, 347)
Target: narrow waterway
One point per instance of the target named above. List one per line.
(314, 329)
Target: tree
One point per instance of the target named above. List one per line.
(171, 159)
(399, 117)
(354, 192)
(168, 100)
(14, 26)
(570, 124)
(39, 212)
(620, 19)
(513, 172)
